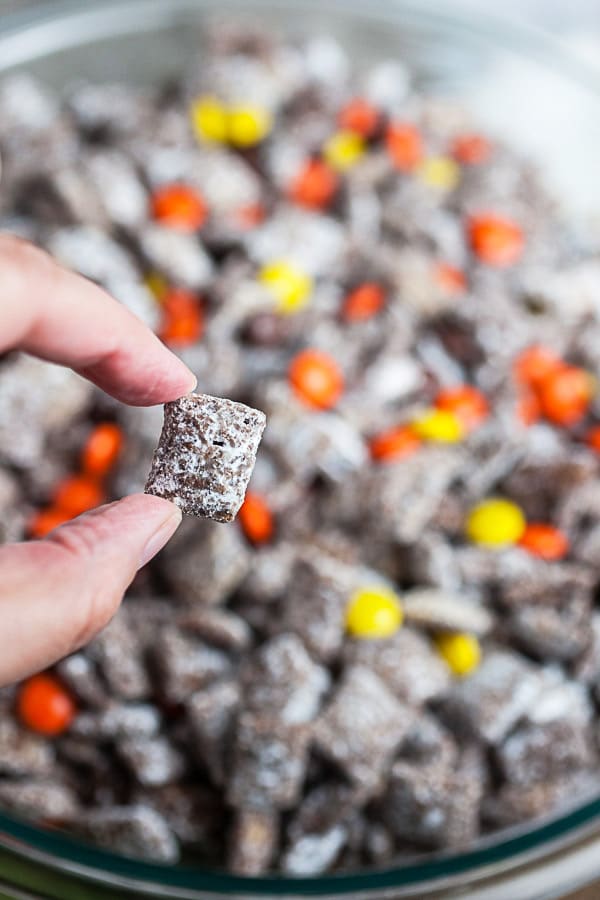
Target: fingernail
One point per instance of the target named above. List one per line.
(160, 537)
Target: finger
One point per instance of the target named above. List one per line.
(62, 317)
(56, 594)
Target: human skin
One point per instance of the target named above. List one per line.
(57, 593)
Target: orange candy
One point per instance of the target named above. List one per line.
(256, 519)
(364, 302)
(394, 444)
(102, 449)
(545, 541)
(565, 395)
(496, 240)
(45, 706)
(248, 217)
(535, 364)
(450, 279)
(360, 117)
(46, 520)
(467, 403)
(405, 145)
(76, 494)
(592, 438)
(316, 378)
(471, 149)
(528, 408)
(315, 185)
(179, 206)
(183, 322)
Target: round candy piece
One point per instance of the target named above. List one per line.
(78, 493)
(248, 125)
(592, 438)
(496, 240)
(102, 449)
(360, 116)
(565, 395)
(471, 149)
(315, 185)
(45, 706)
(183, 321)
(364, 302)
(343, 150)
(209, 119)
(316, 378)
(495, 523)
(256, 519)
(179, 206)
(404, 145)
(461, 651)
(535, 364)
(439, 172)
(467, 403)
(394, 444)
(544, 540)
(374, 612)
(439, 425)
(290, 286)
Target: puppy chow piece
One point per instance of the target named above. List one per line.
(119, 657)
(211, 713)
(550, 632)
(47, 800)
(180, 257)
(81, 676)
(205, 563)
(515, 803)
(362, 727)
(218, 627)
(253, 839)
(186, 664)
(312, 854)
(118, 720)
(206, 454)
(153, 761)
(22, 752)
(136, 831)
(193, 812)
(435, 806)
(491, 701)
(269, 763)
(284, 679)
(406, 663)
(536, 753)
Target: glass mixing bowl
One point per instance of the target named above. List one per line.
(518, 84)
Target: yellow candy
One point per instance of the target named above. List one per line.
(374, 612)
(495, 523)
(156, 284)
(248, 125)
(439, 425)
(343, 150)
(209, 119)
(439, 172)
(290, 287)
(462, 652)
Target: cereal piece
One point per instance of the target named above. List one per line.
(79, 674)
(312, 854)
(192, 811)
(180, 257)
(283, 679)
(269, 763)
(537, 753)
(153, 761)
(491, 701)
(513, 804)
(118, 720)
(205, 563)
(442, 610)
(558, 632)
(252, 841)
(206, 455)
(23, 753)
(136, 831)
(119, 657)
(435, 806)
(39, 799)
(406, 663)
(211, 714)
(218, 627)
(186, 664)
(362, 726)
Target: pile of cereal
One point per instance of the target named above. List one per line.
(395, 648)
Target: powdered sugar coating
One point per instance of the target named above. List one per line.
(206, 455)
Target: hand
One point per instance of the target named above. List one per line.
(56, 594)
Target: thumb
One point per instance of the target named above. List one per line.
(56, 594)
